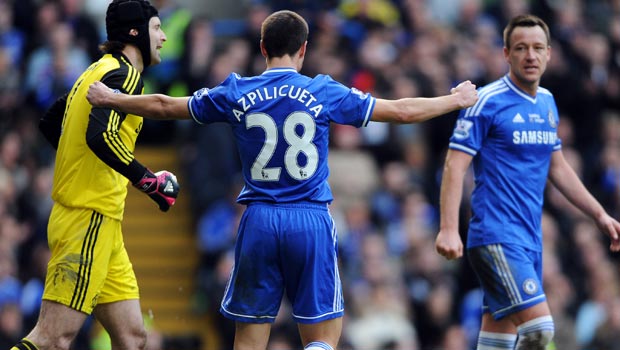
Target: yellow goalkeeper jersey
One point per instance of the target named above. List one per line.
(93, 139)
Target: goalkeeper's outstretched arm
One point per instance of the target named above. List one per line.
(152, 106)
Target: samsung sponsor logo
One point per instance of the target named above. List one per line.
(534, 137)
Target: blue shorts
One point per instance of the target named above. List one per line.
(285, 247)
(510, 276)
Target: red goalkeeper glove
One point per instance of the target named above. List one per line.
(161, 186)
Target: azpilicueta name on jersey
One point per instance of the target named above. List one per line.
(269, 93)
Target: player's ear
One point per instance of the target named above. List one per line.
(262, 49)
(302, 49)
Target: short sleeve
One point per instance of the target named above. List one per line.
(348, 106)
(211, 105)
(471, 129)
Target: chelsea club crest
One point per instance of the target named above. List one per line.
(530, 286)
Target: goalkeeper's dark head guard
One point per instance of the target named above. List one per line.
(124, 15)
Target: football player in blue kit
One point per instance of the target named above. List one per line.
(510, 134)
(281, 120)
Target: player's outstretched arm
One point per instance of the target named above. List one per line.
(419, 109)
(448, 242)
(152, 106)
(567, 181)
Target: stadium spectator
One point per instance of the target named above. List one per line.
(12, 40)
(53, 68)
(87, 35)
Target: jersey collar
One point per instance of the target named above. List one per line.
(518, 90)
(280, 70)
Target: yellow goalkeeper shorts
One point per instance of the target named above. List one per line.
(89, 263)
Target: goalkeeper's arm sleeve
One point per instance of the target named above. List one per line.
(50, 124)
(96, 135)
(162, 187)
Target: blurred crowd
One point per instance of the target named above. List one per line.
(400, 294)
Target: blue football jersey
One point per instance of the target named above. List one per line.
(281, 122)
(511, 136)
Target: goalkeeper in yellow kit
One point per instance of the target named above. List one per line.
(89, 270)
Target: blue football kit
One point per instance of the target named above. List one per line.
(511, 137)
(286, 241)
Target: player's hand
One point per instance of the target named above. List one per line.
(161, 186)
(611, 227)
(466, 93)
(449, 245)
(98, 94)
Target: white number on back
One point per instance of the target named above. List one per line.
(297, 144)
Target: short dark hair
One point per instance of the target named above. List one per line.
(527, 20)
(283, 33)
(111, 46)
